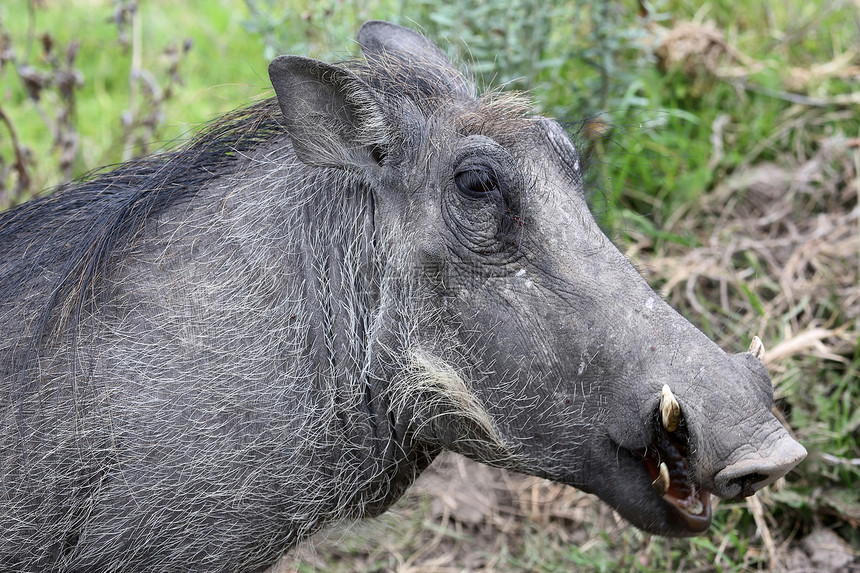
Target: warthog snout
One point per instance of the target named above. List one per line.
(760, 468)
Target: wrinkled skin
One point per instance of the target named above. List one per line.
(207, 358)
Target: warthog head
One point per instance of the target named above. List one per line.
(545, 351)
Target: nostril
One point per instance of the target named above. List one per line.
(747, 483)
(755, 470)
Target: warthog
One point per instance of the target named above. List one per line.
(209, 354)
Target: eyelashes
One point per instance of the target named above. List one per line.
(478, 183)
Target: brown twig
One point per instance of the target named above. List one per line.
(19, 165)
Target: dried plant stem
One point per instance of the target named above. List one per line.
(19, 165)
(133, 84)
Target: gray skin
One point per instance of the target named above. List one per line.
(207, 356)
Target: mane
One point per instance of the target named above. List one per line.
(55, 246)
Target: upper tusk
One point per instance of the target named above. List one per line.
(670, 410)
(757, 348)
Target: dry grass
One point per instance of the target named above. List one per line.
(462, 517)
(779, 255)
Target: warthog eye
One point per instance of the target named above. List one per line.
(477, 183)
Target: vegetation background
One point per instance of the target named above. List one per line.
(724, 146)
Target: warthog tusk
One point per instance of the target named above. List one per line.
(661, 484)
(757, 348)
(670, 410)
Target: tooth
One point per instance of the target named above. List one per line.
(757, 348)
(696, 508)
(661, 484)
(670, 410)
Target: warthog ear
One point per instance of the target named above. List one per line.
(331, 115)
(384, 43)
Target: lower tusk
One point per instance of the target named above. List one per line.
(661, 484)
(757, 348)
(670, 410)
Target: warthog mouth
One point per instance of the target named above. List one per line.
(666, 460)
(673, 484)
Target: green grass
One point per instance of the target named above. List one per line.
(224, 68)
